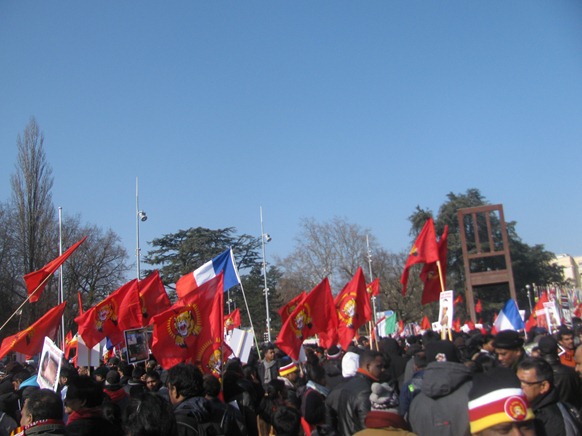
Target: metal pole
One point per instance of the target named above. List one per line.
(266, 289)
(61, 296)
(137, 249)
(371, 278)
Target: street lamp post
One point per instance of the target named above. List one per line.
(528, 290)
(140, 215)
(265, 238)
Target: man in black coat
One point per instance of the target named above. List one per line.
(349, 403)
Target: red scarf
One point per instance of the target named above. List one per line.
(367, 374)
(88, 412)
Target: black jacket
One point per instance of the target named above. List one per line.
(566, 381)
(548, 420)
(348, 404)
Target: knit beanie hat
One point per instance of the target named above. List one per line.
(287, 366)
(495, 398)
(350, 364)
(441, 351)
(383, 397)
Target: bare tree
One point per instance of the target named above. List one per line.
(335, 249)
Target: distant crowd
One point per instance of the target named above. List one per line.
(477, 383)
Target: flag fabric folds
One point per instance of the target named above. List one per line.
(533, 317)
(31, 340)
(424, 250)
(353, 308)
(288, 308)
(430, 272)
(153, 297)
(232, 320)
(509, 317)
(425, 323)
(315, 314)
(478, 307)
(224, 263)
(36, 280)
(118, 312)
(191, 331)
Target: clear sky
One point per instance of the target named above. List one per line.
(310, 109)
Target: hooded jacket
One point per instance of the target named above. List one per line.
(441, 406)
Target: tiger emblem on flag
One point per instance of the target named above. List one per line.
(185, 324)
(347, 313)
(301, 320)
(107, 311)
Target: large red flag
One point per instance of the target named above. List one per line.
(232, 320)
(288, 308)
(353, 308)
(118, 312)
(153, 296)
(374, 288)
(424, 250)
(315, 314)
(191, 330)
(430, 272)
(37, 280)
(31, 340)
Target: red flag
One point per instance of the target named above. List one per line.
(478, 307)
(374, 287)
(533, 318)
(70, 343)
(430, 272)
(118, 312)
(315, 314)
(152, 296)
(288, 308)
(353, 308)
(31, 340)
(470, 324)
(458, 300)
(424, 250)
(232, 320)
(191, 330)
(36, 280)
(425, 323)
(457, 325)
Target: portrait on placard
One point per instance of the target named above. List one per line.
(446, 309)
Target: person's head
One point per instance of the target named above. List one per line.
(372, 362)
(536, 377)
(152, 381)
(498, 406)
(350, 364)
(184, 381)
(488, 343)
(441, 351)
(112, 378)
(508, 347)
(211, 386)
(100, 373)
(138, 374)
(578, 360)
(316, 374)
(66, 374)
(83, 392)
(565, 337)
(269, 352)
(41, 404)
(363, 342)
(149, 415)
(289, 370)
(548, 346)
(287, 421)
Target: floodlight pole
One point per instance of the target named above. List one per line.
(265, 289)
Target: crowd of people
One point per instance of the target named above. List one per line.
(472, 383)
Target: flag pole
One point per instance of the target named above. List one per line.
(61, 297)
(25, 301)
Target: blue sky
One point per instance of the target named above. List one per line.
(310, 109)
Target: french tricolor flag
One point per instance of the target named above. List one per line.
(223, 263)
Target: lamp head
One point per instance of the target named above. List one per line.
(267, 237)
(142, 216)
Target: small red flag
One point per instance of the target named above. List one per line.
(31, 340)
(353, 308)
(425, 323)
(430, 272)
(70, 344)
(457, 325)
(232, 320)
(374, 287)
(533, 318)
(458, 300)
(152, 296)
(478, 307)
(191, 330)
(424, 250)
(288, 308)
(36, 280)
(118, 312)
(315, 314)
